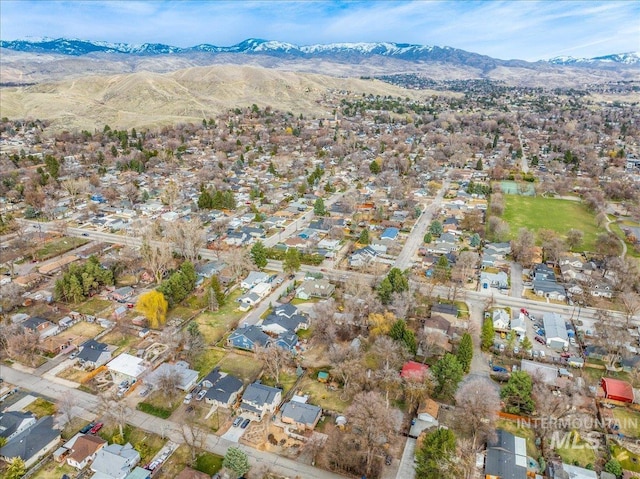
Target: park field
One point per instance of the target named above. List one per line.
(537, 212)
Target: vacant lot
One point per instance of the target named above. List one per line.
(628, 420)
(207, 360)
(120, 339)
(84, 329)
(58, 247)
(93, 306)
(244, 367)
(207, 463)
(577, 452)
(628, 460)
(53, 470)
(41, 407)
(537, 213)
(321, 396)
(214, 325)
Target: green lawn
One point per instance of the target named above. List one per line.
(93, 306)
(208, 463)
(538, 212)
(214, 325)
(54, 470)
(58, 247)
(207, 360)
(579, 452)
(615, 227)
(627, 459)
(521, 431)
(244, 367)
(41, 407)
(181, 312)
(321, 396)
(629, 421)
(287, 380)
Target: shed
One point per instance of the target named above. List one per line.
(617, 390)
(323, 376)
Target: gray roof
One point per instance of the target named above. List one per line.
(301, 413)
(91, 350)
(554, 327)
(253, 333)
(11, 421)
(507, 457)
(259, 394)
(286, 309)
(29, 443)
(187, 376)
(115, 461)
(291, 324)
(224, 388)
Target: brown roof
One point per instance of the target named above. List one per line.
(188, 473)
(85, 446)
(430, 407)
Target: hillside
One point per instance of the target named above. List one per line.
(145, 99)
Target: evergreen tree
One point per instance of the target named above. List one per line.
(474, 241)
(447, 373)
(258, 255)
(291, 262)
(236, 461)
(614, 467)
(465, 352)
(400, 333)
(385, 291)
(364, 236)
(318, 207)
(217, 291)
(435, 228)
(398, 279)
(479, 165)
(517, 393)
(487, 335)
(428, 238)
(435, 454)
(374, 167)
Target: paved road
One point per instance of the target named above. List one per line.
(415, 239)
(524, 164)
(517, 286)
(87, 404)
(253, 316)
(407, 470)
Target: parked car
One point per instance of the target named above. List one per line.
(536, 353)
(245, 423)
(499, 369)
(187, 398)
(542, 354)
(87, 428)
(388, 460)
(524, 311)
(516, 350)
(96, 428)
(201, 395)
(238, 421)
(145, 391)
(540, 339)
(572, 341)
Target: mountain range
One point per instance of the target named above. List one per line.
(336, 51)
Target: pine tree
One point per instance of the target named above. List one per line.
(447, 373)
(465, 352)
(258, 255)
(236, 461)
(364, 237)
(487, 335)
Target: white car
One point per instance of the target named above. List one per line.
(201, 395)
(187, 398)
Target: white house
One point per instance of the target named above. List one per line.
(519, 325)
(262, 290)
(126, 366)
(254, 278)
(500, 320)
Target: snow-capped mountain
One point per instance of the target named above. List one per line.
(630, 58)
(343, 52)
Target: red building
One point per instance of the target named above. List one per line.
(617, 390)
(414, 370)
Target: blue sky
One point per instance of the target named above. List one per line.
(529, 30)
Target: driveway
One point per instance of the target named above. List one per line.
(407, 470)
(517, 286)
(233, 434)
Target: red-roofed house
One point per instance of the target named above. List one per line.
(411, 369)
(617, 390)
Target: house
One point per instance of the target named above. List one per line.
(210, 269)
(32, 443)
(568, 471)
(362, 257)
(545, 373)
(13, 423)
(262, 290)
(519, 325)
(501, 320)
(43, 327)
(438, 324)
(630, 364)
(286, 341)
(119, 312)
(414, 370)
(259, 399)
(254, 278)
(545, 284)
(617, 390)
(188, 473)
(249, 299)
(506, 457)
(114, 461)
(275, 324)
(224, 391)
(126, 367)
(287, 309)
(122, 295)
(390, 234)
(139, 473)
(446, 311)
(93, 354)
(498, 280)
(301, 415)
(555, 331)
(427, 417)
(84, 450)
(187, 377)
(315, 288)
(248, 337)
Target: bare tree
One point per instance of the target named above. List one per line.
(611, 337)
(574, 238)
(238, 261)
(66, 404)
(172, 337)
(187, 238)
(157, 256)
(115, 411)
(21, 344)
(376, 425)
(75, 188)
(195, 437)
(631, 303)
(477, 403)
(415, 390)
(323, 313)
(10, 296)
(167, 383)
(465, 266)
(523, 246)
(275, 359)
